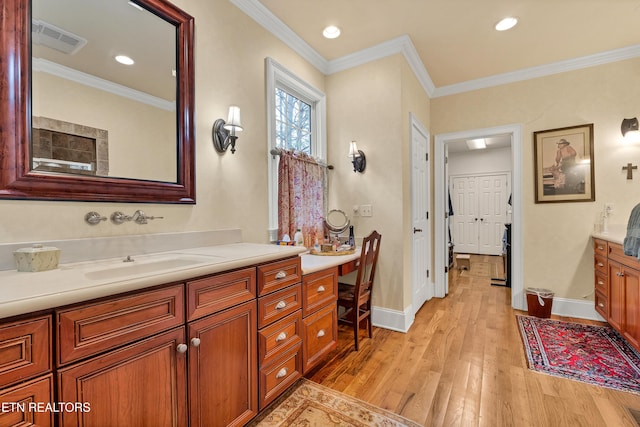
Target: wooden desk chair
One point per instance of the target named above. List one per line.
(356, 299)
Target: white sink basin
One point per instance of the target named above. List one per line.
(145, 264)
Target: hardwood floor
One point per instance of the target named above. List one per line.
(462, 363)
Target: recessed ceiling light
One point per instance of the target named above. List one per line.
(476, 144)
(331, 32)
(506, 23)
(123, 59)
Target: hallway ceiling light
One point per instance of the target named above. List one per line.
(123, 59)
(506, 23)
(331, 32)
(476, 144)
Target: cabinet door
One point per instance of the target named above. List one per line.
(142, 385)
(616, 295)
(223, 367)
(632, 307)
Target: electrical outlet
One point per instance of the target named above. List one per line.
(366, 210)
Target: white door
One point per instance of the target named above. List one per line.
(422, 288)
(479, 205)
(464, 196)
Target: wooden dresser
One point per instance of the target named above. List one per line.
(617, 289)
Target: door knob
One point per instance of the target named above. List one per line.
(417, 230)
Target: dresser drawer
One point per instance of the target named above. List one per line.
(278, 376)
(600, 265)
(25, 349)
(92, 328)
(616, 252)
(278, 337)
(320, 336)
(221, 291)
(278, 275)
(319, 289)
(278, 305)
(601, 304)
(600, 247)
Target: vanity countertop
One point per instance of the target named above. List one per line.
(25, 292)
(615, 233)
(312, 263)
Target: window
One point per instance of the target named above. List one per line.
(295, 120)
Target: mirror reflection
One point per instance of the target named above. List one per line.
(92, 115)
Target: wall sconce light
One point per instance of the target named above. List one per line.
(224, 133)
(630, 130)
(357, 158)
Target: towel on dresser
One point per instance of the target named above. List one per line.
(631, 242)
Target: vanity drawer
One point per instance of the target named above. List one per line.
(616, 252)
(601, 283)
(221, 291)
(320, 335)
(278, 275)
(25, 349)
(319, 289)
(279, 304)
(600, 265)
(278, 337)
(277, 377)
(92, 328)
(601, 304)
(600, 247)
(38, 391)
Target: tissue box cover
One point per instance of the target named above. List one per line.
(37, 258)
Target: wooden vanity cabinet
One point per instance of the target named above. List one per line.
(25, 372)
(320, 315)
(279, 323)
(617, 289)
(223, 362)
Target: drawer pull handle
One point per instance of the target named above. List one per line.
(181, 348)
(281, 305)
(281, 274)
(195, 342)
(321, 288)
(619, 274)
(600, 264)
(600, 248)
(281, 337)
(600, 282)
(601, 305)
(281, 373)
(320, 333)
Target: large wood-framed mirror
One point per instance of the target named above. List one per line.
(26, 112)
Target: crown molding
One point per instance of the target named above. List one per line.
(264, 17)
(404, 46)
(42, 65)
(541, 71)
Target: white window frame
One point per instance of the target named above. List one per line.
(280, 77)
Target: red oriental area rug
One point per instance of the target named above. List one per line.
(593, 354)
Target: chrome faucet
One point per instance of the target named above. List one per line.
(141, 218)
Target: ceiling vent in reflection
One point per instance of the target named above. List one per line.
(49, 35)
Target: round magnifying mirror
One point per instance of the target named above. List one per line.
(336, 221)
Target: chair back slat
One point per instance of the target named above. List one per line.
(367, 269)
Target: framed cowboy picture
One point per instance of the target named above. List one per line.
(564, 164)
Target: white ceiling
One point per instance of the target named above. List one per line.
(455, 39)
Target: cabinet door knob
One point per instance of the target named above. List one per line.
(281, 337)
(600, 282)
(181, 348)
(320, 333)
(195, 342)
(601, 305)
(281, 373)
(281, 274)
(321, 289)
(281, 305)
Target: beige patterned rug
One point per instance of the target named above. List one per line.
(311, 405)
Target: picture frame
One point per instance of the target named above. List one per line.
(564, 164)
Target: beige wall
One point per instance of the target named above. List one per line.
(557, 250)
(229, 55)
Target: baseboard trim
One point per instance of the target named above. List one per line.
(575, 308)
(394, 320)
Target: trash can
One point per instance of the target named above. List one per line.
(539, 302)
